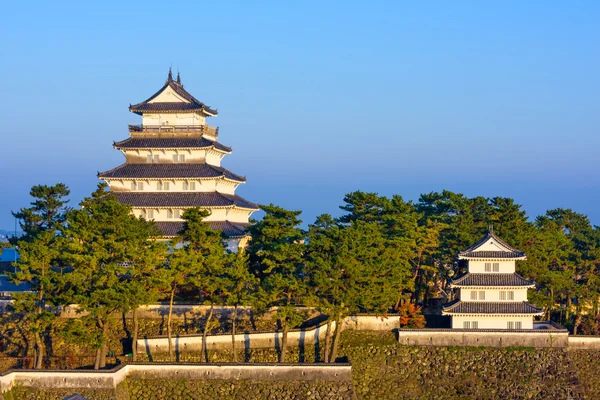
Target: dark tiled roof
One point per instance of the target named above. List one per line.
(182, 199)
(170, 229)
(506, 252)
(459, 307)
(488, 279)
(193, 105)
(158, 171)
(6, 266)
(169, 143)
(7, 286)
(492, 254)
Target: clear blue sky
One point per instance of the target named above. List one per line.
(316, 98)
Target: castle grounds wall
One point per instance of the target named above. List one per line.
(584, 342)
(296, 337)
(482, 337)
(334, 378)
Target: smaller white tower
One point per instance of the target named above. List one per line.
(491, 294)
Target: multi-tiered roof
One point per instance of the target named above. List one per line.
(173, 162)
(491, 287)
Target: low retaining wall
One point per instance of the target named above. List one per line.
(262, 340)
(110, 379)
(484, 337)
(584, 342)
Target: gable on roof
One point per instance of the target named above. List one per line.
(168, 95)
(491, 246)
(172, 97)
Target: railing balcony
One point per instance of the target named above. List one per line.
(173, 130)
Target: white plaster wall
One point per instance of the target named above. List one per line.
(175, 185)
(173, 119)
(269, 339)
(478, 267)
(217, 214)
(492, 322)
(520, 295)
(165, 156)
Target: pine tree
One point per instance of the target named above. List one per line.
(103, 240)
(39, 250)
(198, 259)
(276, 257)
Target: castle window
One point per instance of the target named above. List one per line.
(482, 295)
(473, 295)
(518, 325)
(502, 295)
(192, 185)
(488, 267)
(169, 213)
(510, 325)
(182, 158)
(140, 185)
(166, 185)
(466, 324)
(159, 185)
(156, 158)
(177, 213)
(149, 158)
(185, 186)
(174, 157)
(496, 267)
(510, 295)
(150, 214)
(133, 185)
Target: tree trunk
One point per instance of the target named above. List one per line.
(233, 333)
(104, 348)
(169, 324)
(39, 350)
(97, 362)
(136, 326)
(336, 338)
(204, 351)
(327, 340)
(284, 326)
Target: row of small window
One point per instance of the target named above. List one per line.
(155, 158)
(492, 267)
(475, 325)
(149, 214)
(504, 295)
(163, 185)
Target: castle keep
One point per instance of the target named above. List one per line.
(173, 162)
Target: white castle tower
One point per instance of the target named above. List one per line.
(173, 162)
(491, 294)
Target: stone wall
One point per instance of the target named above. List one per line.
(482, 337)
(332, 379)
(381, 369)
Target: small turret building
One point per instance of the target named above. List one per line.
(491, 294)
(173, 162)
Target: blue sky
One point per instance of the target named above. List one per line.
(317, 99)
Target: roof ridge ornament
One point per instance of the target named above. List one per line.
(179, 79)
(170, 76)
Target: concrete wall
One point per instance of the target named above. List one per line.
(111, 378)
(488, 338)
